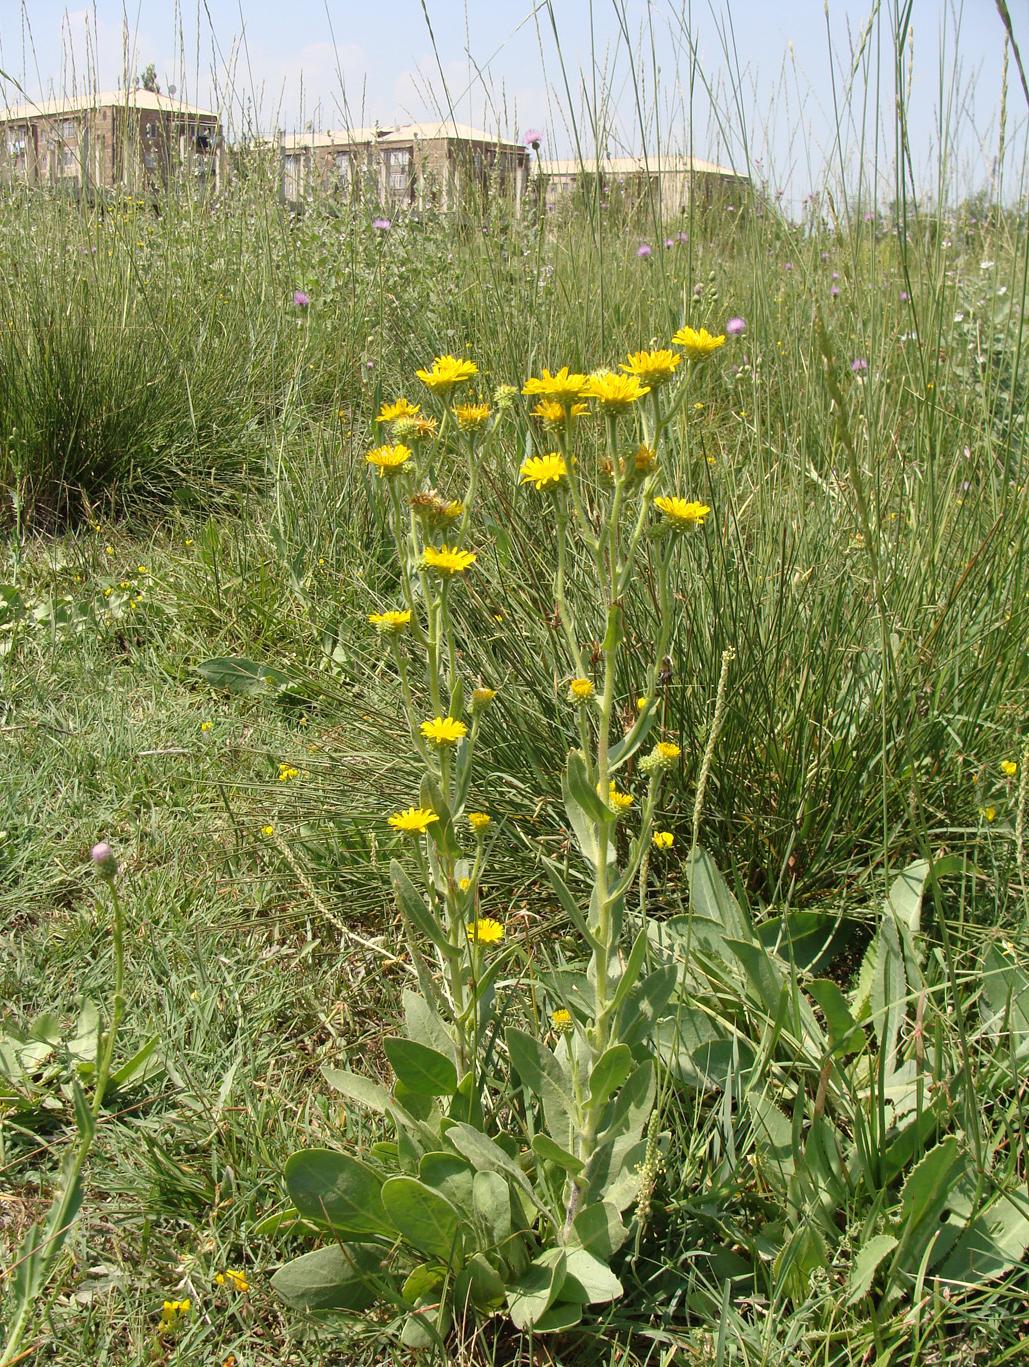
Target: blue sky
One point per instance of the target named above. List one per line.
(736, 81)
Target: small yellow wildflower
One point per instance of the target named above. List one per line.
(618, 800)
(663, 840)
(206, 726)
(188, 541)
(561, 1019)
(399, 408)
(433, 508)
(421, 428)
(644, 460)
(562, 385)
(471, 415)
(555, 414)
(232, 1278)
(444, 730)
(268, 831)
(414, 821)
(108, 550)
(287, 773)
(108, 592)
(446, 372)
(447, 560)
(142, 569)
(125, 584)
(389, 460)
(667, 750)
(641, 703)
(479, 821)
(464, 884)
(698, 343)
(613, 392)
(680, 512)
(989, 813)
(485, 931)
(579, 690)
(171, 1313)
(482, 697)
(390, 622)
(544, 472)
(652, 368)
(1008, 768)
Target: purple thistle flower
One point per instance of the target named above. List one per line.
(684, 238)
(735, 327)
(834, 293)
(904, 296)
(858, 365)
(669, 241)
(383, 225)
(532, 137)
(823, 256)
(103, 859)
(300, 299)
(787, 265)
(644, 249)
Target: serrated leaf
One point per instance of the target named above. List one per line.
(863, 1270)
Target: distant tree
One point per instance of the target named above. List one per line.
(148, 80)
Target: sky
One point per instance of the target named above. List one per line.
(797, 93)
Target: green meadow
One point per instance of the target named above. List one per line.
(830, 1165)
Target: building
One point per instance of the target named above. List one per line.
(135, 140)
(669, 182)
(416, 165)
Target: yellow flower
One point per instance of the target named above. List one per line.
(444, 730)
(562, 385)
(235, 1279)
(479, 820)
(1008, 768)
(399, 408)
(446, 372)
(471, 415)
(554, 414)
(391, 622)
(433, 508)
(464, 884)
(641, 703)
(663, 840)
(206, 726)
(172, 1312)
(485, 931)
(188, 541)
(580, 689)
(561, 1019)
(415, 821)
(482, 697)
(108, 550)
(652, 368)
(614, 392)
(287, 773)
(618, 800)
(388, 460)
(269, 831)
(697, 344)
(679, 512)
(644, 460)
(447, 560)
(989, 813)
(667, 750)
(544, 471)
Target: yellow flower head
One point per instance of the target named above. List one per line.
(617, 800)
(447, 560)
(231, 1278)
(446, 372)
(172, 1312)
(613, 392)
(1008, 768)
(545, 472)
(268, 831)
(563, 385)
(287, 773)
(388, 460)
(464, 884)
(989, 813)
(651, 368)
(399, 408)
(415, 821)
(206, 726)
(471, 415)
(444, 730)
(561, 1019)
(479, 820)
(698, 344)
(680, 512)
(390, 622)
(433, 509)
(644, 460)
(641, 703)
(415, 429)
(579, 690)
(482, 697)
(554, 414)
(485, 931)
(663, 840)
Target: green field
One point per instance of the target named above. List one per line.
(838, 1158)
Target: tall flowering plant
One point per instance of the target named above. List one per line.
(468, 1211)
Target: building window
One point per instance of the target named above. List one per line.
(398, 171)
(344, 169)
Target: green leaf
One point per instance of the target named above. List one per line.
(442, 831)
(596, 1279)
(478, 1285)
(599, 1229)
(540, 1071)
(568, 902)
(452, 1176)
(609, 1072)
(990, 1245)
(422, 1070)
(336, 1189)
(631, 971)
(238, 675)
(532, 1295)
(544, 1147)
(889, 991)
(559, 1318)
(424, 1217)
(710, 896)
(414, 910)
(425, 1025)
(845, 1035)
(491, 1200)
(925, 1193)
(331, 1278)
(870, 1255)
(487, 1156)
(357, 1088)
(584, 791)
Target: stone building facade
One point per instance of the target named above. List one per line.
(669, 183)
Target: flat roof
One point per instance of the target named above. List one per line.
(634, 166)
(127, 99)
(385, 136)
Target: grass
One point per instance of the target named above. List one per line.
(183, 455)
